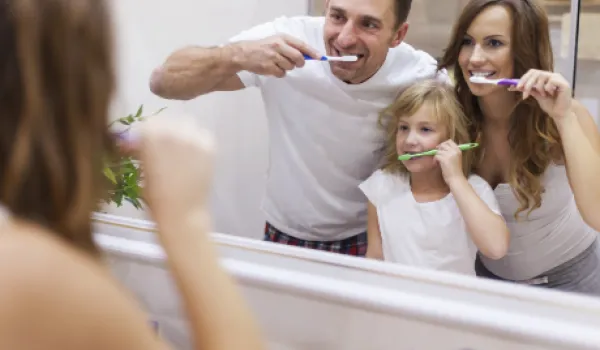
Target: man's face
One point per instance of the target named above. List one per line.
(365, 28)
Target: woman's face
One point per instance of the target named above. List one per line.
(486, 49)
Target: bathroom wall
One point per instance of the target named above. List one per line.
(146, 33)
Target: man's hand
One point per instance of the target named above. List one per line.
(273, 56)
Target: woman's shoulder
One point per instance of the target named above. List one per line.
(59, 293)
(31, 251)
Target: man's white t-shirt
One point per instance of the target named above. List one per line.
(430, 235)
(324, 134)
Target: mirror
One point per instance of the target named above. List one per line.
(309, 300)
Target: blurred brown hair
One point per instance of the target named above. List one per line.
(56, 83)
(533, 137)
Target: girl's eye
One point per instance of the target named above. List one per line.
(403, 127)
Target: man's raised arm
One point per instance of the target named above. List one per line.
(194, 71)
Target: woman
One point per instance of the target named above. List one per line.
(56, 82)
(540, 149)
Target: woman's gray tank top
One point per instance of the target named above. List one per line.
(552, 235)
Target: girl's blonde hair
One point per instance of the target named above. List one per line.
(446, 109)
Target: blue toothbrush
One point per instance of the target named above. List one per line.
(334, 58)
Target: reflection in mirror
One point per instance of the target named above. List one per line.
(587, 89)
(431, 22)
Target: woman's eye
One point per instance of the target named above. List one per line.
(495, 43)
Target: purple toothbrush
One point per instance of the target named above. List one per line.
(483, 80)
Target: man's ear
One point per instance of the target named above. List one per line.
(399, 35)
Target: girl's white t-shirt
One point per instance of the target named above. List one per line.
(429, 235)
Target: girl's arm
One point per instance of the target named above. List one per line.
(480, 211)
(374, 247)
(488, 229)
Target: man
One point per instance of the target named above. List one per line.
(322, 116)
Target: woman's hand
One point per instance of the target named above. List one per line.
(551, 90)
(449, 156)
(177, 161)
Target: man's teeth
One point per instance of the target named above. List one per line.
(350, 54)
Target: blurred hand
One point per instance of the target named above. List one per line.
(177, 162)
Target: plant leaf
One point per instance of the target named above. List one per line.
(160, 110)
(110, 175)
(139, 112)
(124, 171)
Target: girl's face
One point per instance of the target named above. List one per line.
(486, 49)
(419, 133)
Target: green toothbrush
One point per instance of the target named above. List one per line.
(433, 152)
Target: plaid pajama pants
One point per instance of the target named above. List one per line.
(356, 245)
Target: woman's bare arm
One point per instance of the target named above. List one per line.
(581, 144)
(219, 317)
(213, 302)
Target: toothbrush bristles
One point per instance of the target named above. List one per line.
(343, 58)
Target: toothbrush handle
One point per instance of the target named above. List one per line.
(508, 82)
(467, 146)
(307, 57)
(433, 152)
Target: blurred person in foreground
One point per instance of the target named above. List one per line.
(57, 80)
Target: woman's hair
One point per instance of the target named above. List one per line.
(533, 136)
(441, 98)
(56, 83)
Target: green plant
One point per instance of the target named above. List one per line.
(123, 171)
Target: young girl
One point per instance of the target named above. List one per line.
(429, 211)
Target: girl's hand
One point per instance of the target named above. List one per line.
(551, 90)
(449, 156)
